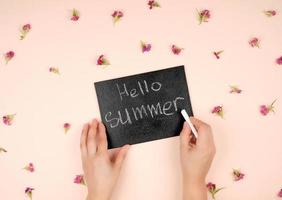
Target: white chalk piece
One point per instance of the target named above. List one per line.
(187, 119)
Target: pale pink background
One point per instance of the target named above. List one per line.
(43, 101)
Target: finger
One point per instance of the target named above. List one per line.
(113, 153)
(83, 138)
(185, 136)
(197, 123)
(203, 128)
(121, 156)
(91, 143)
(102, 138)
(205, 138)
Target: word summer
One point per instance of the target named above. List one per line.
(131, 114)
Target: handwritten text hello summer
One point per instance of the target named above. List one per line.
(132, 114)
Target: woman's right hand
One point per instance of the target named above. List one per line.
(196, 159)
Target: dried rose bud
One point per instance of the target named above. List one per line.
(66, 127)
(117, 15)
(280, 193)
(176, 50)
(265, 109)
(279, 60)
(79, 179)
(28, 191)
(203, 15)
(213, 190)
(217, 54)
(29, 167)
(25, 30)
(254, 42)
(54, 70)
(237, 175)
(218, 110)
(8, 56)
(8, 119)
(75, 15)
(102, 60)
(145, 47)
(270, 13)
(153, 4)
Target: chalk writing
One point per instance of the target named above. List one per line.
(129, 115)
(142, 89)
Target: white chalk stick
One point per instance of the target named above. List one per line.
(187, 119)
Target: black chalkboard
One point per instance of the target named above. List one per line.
(143, 107)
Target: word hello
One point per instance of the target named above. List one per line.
(142, 89)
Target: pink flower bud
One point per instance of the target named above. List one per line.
(204, 15)
(8, 119)
(67, 127)
(265, 109)
(279, 60)
(218, 110)
(153, 4)
(237, 175)
(102, 60)
(145, 47)
(254, 42)
(117, 15)
(8, 56)
(28, 192)
(75, 15)
(176, 50)
(280, 193)
(29, 167)
(79, 179)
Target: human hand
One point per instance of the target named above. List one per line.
(196, 159)
(101, 170)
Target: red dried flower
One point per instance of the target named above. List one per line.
(270, 13)
(265, 109)
(279, 60)
(212, 189)
(54, 70)
(203, 15)
(153, 4)
(217, 54)
(280, 193)
(102, 60)
(237, 175)
(117, 15)
(29, 167)
(254, 42)
(79, 179)
(8, 119)
(75, 15)
(24, 31)
(66, 127)
(218, 110)
(28, 191)
(145, 47)
(8, 56)
(176, 50)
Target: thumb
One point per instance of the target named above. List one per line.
(121, 156)
(184, 136)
